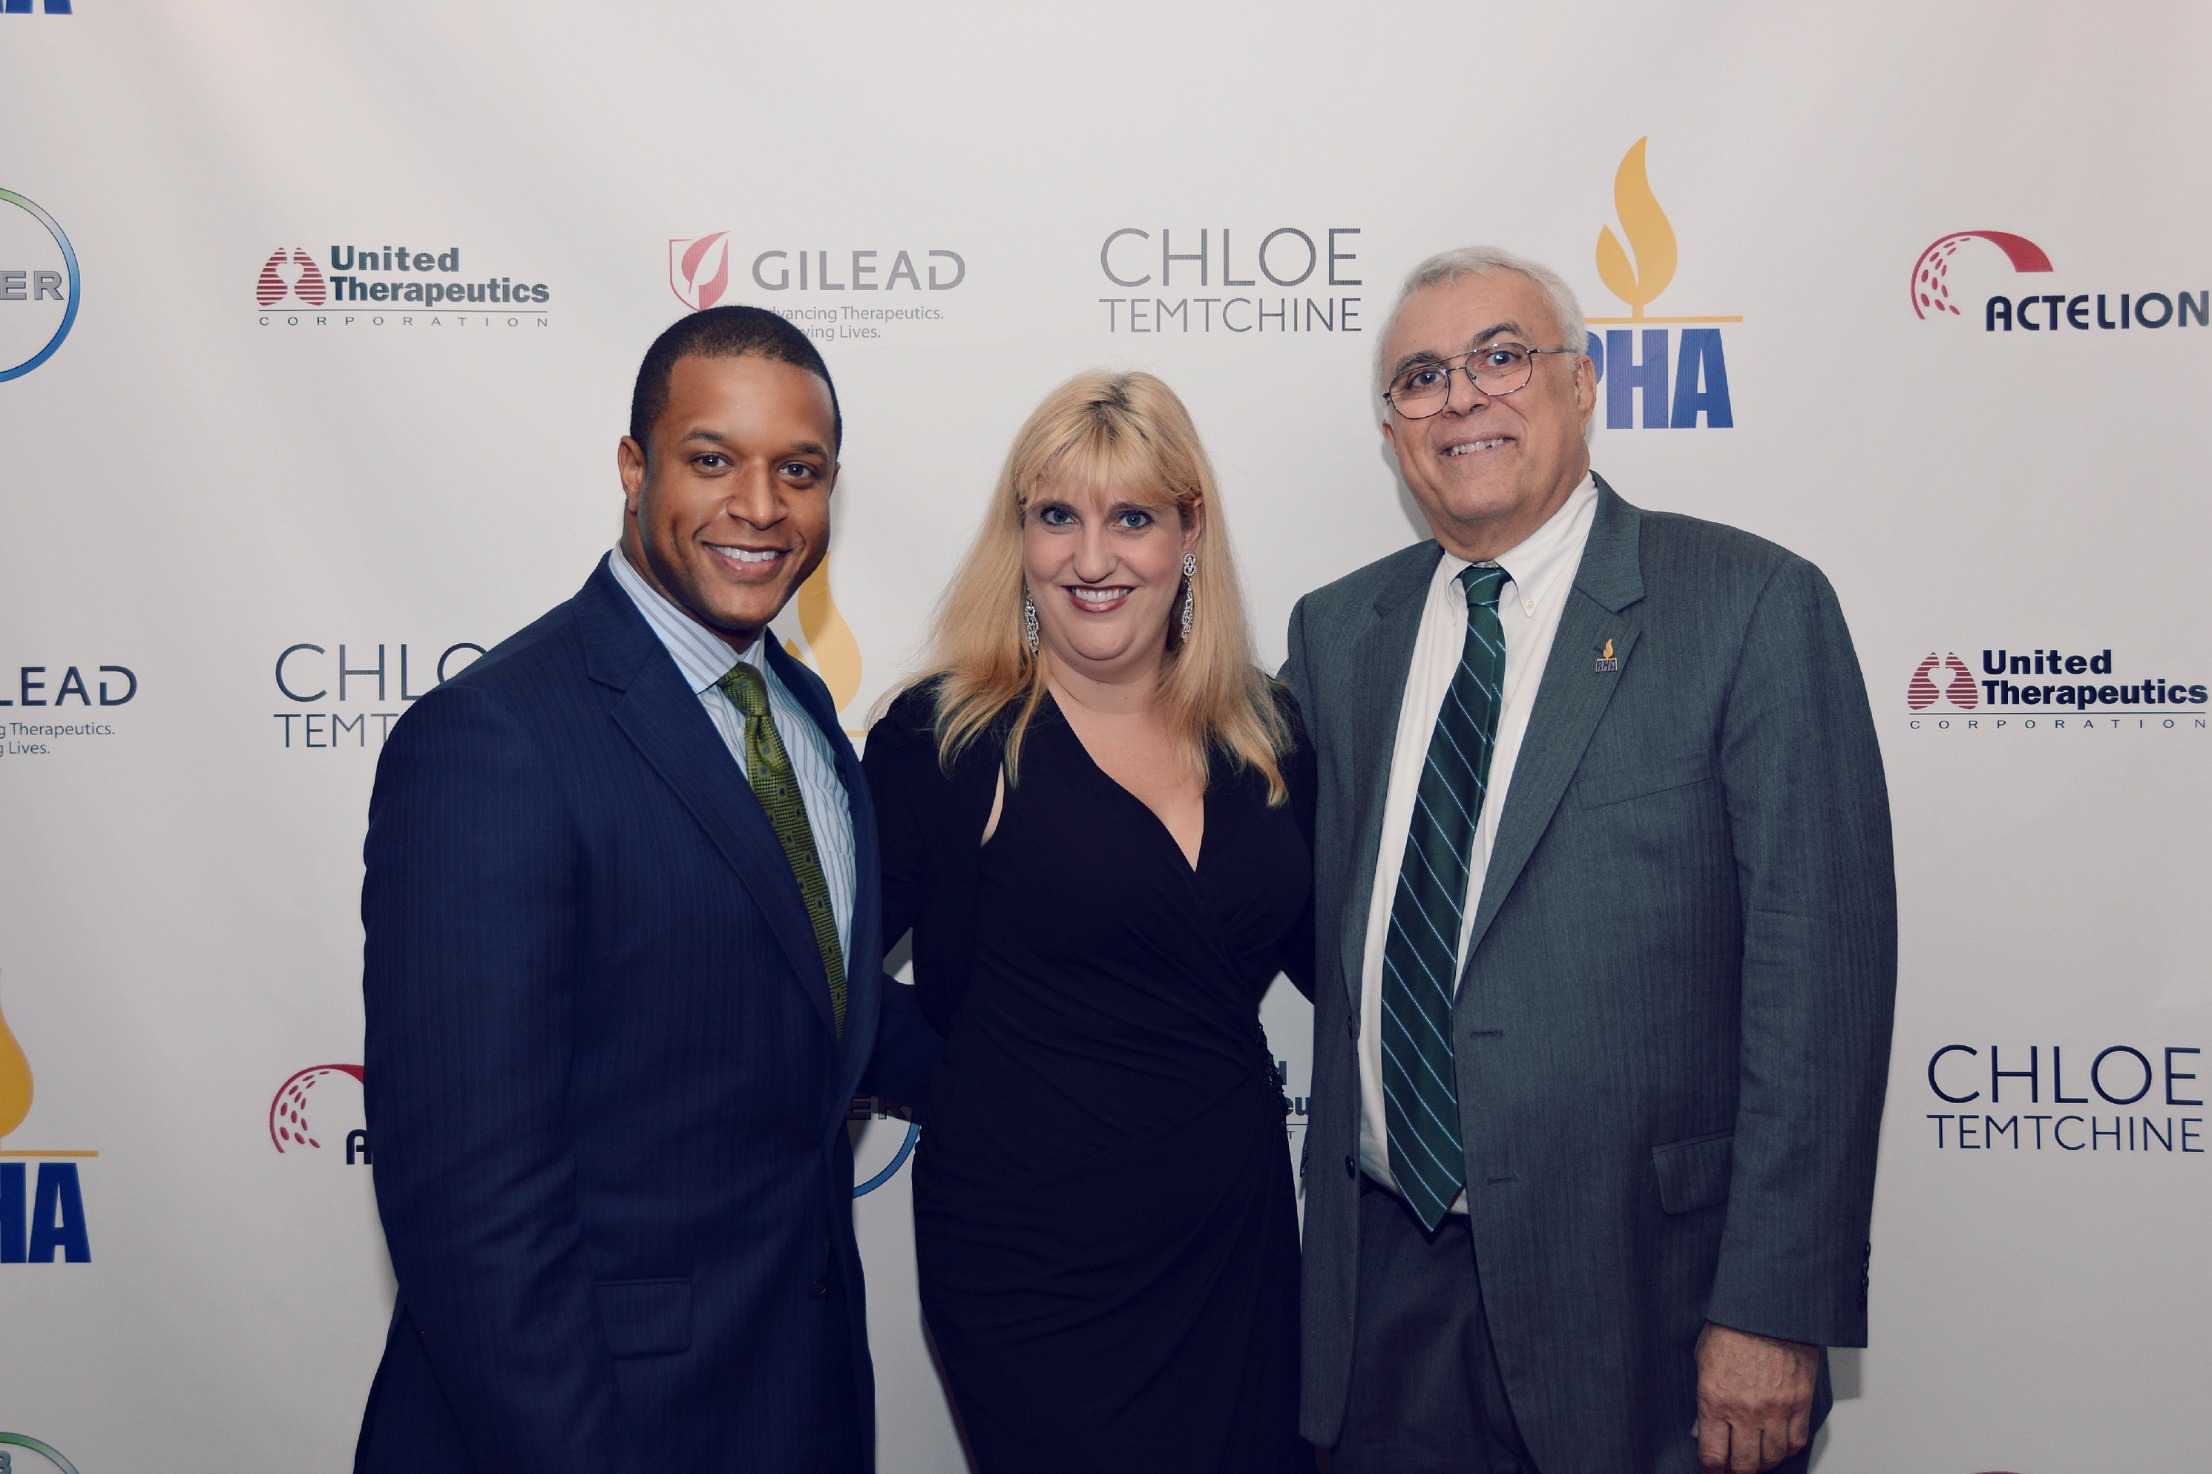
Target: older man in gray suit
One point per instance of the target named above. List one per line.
(1607, 937)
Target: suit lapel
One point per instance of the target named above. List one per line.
(1381, 657)
(663, 719)
(1571, 697)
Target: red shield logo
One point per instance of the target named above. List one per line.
(699, 270)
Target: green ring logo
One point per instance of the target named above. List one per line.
(25, 1440)
(68, 317)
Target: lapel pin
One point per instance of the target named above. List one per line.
(1607, 660)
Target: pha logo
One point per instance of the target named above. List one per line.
(42, 1217)
(1935, 294)
(23, 7)
(1680, 381)
(39, 285)
(289, 1129)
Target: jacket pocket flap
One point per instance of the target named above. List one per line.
(1664, 771)
(1693, 1173)
(645, 1317)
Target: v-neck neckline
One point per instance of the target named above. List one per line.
(1191, 863)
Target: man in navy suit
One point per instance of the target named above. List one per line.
(623, 977)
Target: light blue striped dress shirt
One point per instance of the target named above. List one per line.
(703, 657)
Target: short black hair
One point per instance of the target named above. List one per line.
(724, 332)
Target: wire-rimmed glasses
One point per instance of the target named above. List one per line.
(1422, 389)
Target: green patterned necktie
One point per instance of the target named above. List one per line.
(1421, 954)
(777, 788)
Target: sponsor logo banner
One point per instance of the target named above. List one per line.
(42, 1212)
(2050, 689)
(2141, 1100)
(1676, 366)
(1237, 281)
(369, 285)
(2033, 307)
(40, 286)
(818, 288)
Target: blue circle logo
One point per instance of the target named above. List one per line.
(26, 1441)
(69, 314)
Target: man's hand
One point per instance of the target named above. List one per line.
(1754, 1400)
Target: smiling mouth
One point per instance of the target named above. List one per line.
(1100, 600)
(1473, 447)
(749, 560)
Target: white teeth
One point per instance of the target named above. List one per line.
(1099, 596)
(1472, 446)
(748, 555)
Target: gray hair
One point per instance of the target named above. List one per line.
(1447, 267)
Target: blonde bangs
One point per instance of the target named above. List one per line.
(1120, 438)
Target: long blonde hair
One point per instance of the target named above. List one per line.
(1124, 434)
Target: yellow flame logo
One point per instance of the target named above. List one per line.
(1650, 236)
(15, 1080)
(830, 646)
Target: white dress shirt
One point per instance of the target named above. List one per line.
(1540, 576)
(703, 658)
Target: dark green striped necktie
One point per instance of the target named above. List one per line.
(768, 766)
(1421, 954)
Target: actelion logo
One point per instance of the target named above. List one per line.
(40, 286)
(289, 1129)
(1936, 294)
(1680, 382)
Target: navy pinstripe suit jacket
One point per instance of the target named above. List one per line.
(604, 1090)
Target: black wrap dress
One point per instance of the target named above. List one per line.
(1105, 1221)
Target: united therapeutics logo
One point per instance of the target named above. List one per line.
(818, 288)
(42, 1213)
(20, 1453)
(1680, 380)
(394, 286)
(291, 274)
(1235, 280)
(292, 1132)
(39, 286)
(1975, 274)
(2050, 689)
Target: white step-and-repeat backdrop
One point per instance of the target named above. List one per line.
(317, 326)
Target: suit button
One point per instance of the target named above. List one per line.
(819, 1289)
(1351, 1168)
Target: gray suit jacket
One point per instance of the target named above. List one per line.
(1672, 1033)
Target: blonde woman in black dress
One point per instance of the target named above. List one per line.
(1095, 815)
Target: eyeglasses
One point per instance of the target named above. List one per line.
(1501, 368)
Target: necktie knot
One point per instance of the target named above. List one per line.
(747, 691)
(1484, 582)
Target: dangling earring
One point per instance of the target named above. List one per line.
(1029, 620)
(1190, 596)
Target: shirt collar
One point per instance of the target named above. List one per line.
(1536, 564)
(702, 657)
